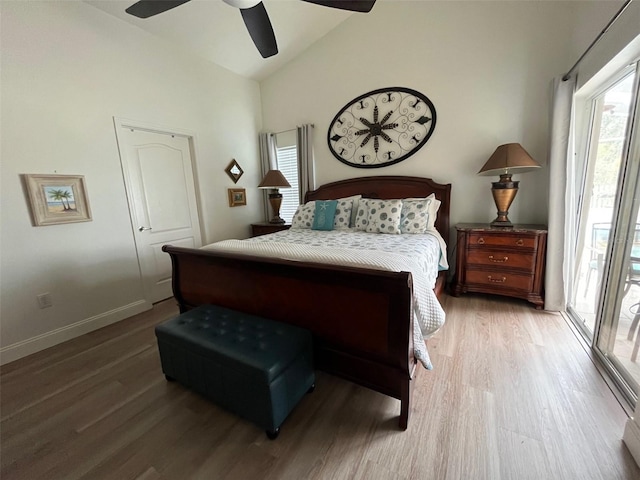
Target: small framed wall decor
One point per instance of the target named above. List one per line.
(237, 197)
(234, 171)
(56, 199)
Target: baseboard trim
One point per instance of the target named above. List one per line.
(631, 438)
(32, 345)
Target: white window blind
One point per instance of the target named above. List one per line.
(288, 165)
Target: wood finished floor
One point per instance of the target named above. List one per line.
(512, 396)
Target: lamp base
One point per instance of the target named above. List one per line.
(276, 200)
(498, 222)
(503, 193)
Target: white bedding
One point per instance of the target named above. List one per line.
(419, 254)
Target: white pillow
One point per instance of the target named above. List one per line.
(433, 211)
(354, 209)
(434, 206)
(303, 218)
(384, 216)
(415, 215)
(342, 219)
(362, 215)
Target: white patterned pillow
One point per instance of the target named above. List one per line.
(384, 216)
(415, 215)
(362, 215)
(303, 218)
(354, 209)
(434, 205)
(342, 220)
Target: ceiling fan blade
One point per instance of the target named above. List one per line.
(149, 8)
(363, 6)
(257, 21)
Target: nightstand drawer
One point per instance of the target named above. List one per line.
(524, 261)
(505, 280)
(502, 240)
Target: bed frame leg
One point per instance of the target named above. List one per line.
(405, 401)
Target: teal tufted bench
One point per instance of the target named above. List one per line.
(254, 367)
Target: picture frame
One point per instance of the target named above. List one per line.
(57, 199)
(234, 170)
(237, 197)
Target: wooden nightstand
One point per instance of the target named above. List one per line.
(504, 261)
(263, 228)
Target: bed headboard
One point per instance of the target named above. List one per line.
(389, 187)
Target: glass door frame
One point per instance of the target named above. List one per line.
(626, 202)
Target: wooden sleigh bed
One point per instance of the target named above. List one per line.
(364, 333)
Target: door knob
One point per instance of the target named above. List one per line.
(142, 229)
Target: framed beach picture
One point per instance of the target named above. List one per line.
(237, 197)
(56, 199)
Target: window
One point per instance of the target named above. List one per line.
(288, 165)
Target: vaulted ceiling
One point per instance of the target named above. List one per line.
(215, 30)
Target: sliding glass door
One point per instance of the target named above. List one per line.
(606, 291)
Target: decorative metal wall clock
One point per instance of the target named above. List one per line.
(382, 127)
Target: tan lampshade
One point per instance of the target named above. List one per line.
(274, 179)
(509, 158)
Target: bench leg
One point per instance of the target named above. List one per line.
(405, 400)
(273, 434)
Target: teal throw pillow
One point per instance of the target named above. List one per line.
(324, 214)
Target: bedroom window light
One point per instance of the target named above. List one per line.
(288, 165)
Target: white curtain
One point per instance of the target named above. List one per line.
(306, 169)
(562, 199)
(268, 161)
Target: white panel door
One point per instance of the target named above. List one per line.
(158, 176)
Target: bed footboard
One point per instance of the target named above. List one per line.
(360, 318)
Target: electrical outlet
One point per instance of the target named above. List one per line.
(44, 300)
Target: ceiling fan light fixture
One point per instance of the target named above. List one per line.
(242, 4)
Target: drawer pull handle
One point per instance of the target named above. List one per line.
(481, 241)
(498, 260)
(520, 242)
(497, 280)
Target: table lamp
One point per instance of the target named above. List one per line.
(506, 160)
(275, 179)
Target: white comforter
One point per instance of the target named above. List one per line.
(421, 255)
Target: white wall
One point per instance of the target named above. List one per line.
(487, 67)
(67, 70)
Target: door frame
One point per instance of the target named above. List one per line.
(121, 123)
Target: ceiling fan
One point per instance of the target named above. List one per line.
(253, 13)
